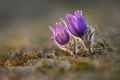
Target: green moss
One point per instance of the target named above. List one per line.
(83, 67)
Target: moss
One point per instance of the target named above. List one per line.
(81, 66)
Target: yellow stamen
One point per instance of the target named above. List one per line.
(62, 33)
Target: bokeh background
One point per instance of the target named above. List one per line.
(25, 22)
(24, 31)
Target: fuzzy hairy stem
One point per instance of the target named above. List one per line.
(62, 47)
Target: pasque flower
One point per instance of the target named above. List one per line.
(60, 35)
(77, 24)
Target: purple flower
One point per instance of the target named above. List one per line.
(60, 35)
(77, 24)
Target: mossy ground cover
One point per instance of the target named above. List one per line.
(54, 64)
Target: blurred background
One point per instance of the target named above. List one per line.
(25, 22)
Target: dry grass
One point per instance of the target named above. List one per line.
(50, 63)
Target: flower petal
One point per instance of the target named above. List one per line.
(62, 39)
(78, 13)
(73, 27)
(59, 28)
(82, 25)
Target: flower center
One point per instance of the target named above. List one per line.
(62, 33)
